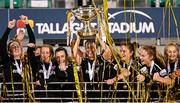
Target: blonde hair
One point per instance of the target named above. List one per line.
(10, 51)
(166, 49)
(50, 48)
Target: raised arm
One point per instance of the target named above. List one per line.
(4, 39)
(31, 46)
(106, 50)
(29, 30)
(101, 42)
(76, 49)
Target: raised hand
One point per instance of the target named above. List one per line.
(31, 45)
(11, 24)
(24, 18)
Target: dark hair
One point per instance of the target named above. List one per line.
(129, 45)
(151, 50)
(38, 47)
(89, 42)
(155, 53)
(62, 49)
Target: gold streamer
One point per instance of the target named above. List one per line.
(110, 40)
(28, 72)
(170, 10)
(23, 82)
(175, 21)
(167, 6)
(77, 84)
(69, 15)
(12, 81)
(104, 67)
(4, 84)
(32, 85)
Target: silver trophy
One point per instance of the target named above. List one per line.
(86, 15)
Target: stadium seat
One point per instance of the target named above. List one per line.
(39, 3)
(153, 3)
(6, 3)
(17, 3)
(178, 2)
(1, 3)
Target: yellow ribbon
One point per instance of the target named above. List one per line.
(69, 15)
(104, 25)
(77, 84)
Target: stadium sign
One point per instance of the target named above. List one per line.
(132, 27)
(52, 23)
(114, 27)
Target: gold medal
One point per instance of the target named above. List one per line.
(124, 86)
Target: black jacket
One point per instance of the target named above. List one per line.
(10, 70)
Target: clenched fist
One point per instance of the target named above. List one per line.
(24, 18)
(11, 24)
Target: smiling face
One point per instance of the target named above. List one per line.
(172, 53)
(15, 49)
(90, 50)
(61, 57)
(45, 54)
(108, 55)
(125, 53)
(145, 57)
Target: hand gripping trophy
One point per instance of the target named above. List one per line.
(85, 14)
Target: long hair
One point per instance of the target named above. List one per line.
(10, 50)
(155, 53)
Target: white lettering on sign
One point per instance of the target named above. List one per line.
(123, 27)
(114, 27)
